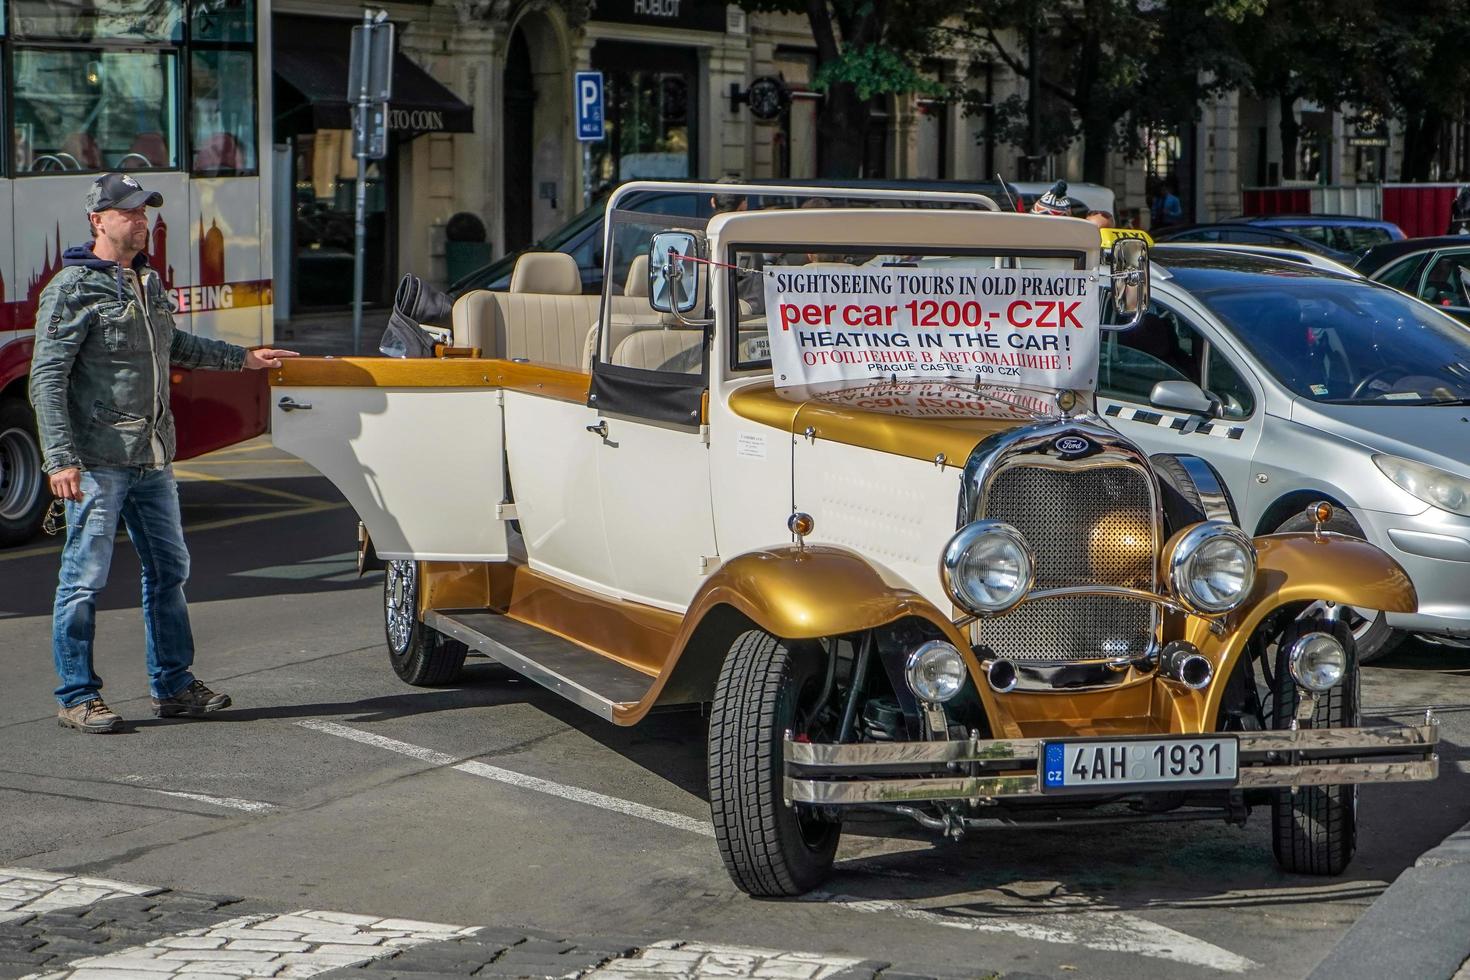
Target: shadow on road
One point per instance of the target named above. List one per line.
(243, 543)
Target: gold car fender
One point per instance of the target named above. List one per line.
(796, 594)
(1302, 567)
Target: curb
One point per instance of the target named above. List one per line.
(1419, 927)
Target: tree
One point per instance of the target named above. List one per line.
(1307, 49)
(1417, 70)
(1106, 67)
(865, 48)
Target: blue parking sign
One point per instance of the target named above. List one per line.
(588, 105)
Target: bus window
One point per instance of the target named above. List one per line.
(233, 22)
(90, 109)
(222, 114)
(139, 20)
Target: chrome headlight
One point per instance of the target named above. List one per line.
(935, 672)
(1213, 567)
(1430, 484)
(987, 567)
(1317, 661)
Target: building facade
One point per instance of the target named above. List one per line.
(488, 128)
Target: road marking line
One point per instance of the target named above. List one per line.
(668, 958)
(249, 806)
(300, 944)
(590, 797)
(284, 461)
(24, 892)
(249, 487)
(244, 447)
(1114, 932)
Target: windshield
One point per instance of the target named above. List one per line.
(1344, 342)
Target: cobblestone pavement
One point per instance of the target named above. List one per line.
(55, 926)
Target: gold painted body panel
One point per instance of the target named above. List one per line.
(825, 591)
(423, 372)
(794, 409)
(1295, 568)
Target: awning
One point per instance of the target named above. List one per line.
(310, 60)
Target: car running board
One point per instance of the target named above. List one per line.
(580, 675)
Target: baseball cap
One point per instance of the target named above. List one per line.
(119, 191)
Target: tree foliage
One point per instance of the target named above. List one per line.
(1106, 68)
(865, 48)
(1109, 70)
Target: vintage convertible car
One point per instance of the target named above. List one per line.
(959, 599)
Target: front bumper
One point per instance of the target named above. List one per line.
(825, 774)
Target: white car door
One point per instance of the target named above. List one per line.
(417, 449)
(1176, 344)
(652, 450)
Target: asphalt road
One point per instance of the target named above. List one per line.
(331, 784)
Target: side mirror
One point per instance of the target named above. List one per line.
(673, 279)
(1129, 278)
(1185, 396)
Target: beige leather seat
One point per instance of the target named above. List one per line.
(544, 318)
(636, 282)
(660, 349)
(546, 272)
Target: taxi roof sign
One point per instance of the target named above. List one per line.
(1111, 235)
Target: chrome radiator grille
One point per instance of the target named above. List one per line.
(1086, 527)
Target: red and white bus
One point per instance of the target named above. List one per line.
(174, 92)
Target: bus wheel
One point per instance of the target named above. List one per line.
(24, 491)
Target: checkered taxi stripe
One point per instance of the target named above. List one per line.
(1179, 423)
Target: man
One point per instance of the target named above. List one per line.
(105, 338)
(1103, 219)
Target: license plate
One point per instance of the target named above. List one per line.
(1133, 763)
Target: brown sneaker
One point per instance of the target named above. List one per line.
(92, 717)
(195, 701)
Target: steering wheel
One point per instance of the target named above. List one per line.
(1372, 376)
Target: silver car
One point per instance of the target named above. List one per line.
(1300, 384)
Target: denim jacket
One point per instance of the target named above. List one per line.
(99, 385)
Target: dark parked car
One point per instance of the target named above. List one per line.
(1436, 270)
(1340, 232)
(1243, 233)
(581, 237)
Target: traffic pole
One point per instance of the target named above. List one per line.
(359, 223)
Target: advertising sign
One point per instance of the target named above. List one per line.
(1036, 327)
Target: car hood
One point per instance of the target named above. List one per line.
(918, 419)
(1438, 435)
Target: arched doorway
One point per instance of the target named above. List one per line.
(535, 98)
(518, 114)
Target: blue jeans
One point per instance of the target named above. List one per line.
(146, 500)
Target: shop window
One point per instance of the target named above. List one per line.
(223, 20)
(134, 20)
(95, 110)
(222, 112)
(326, 188)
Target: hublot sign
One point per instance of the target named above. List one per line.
(697, 15)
